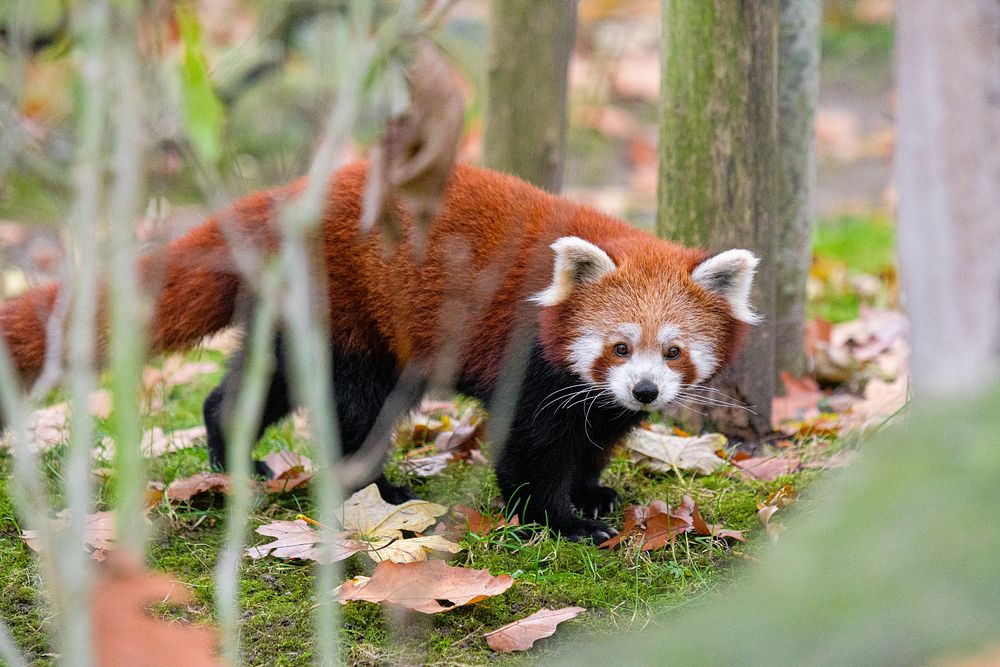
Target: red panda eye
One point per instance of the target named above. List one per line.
(621, 349)
(672, 352)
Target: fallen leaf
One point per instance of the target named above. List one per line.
(157, 443)
(174, 371)
(99, 536)
(415, 157)
(290, 470)
(655, 524)
(297, 539)
(430, 586)
(370, 519)
(49, 427)
(522, 635)
(369, 524)
(124, 632)
(801, 400)
(777, 500)
(198, 483)
(659, 450)
(766, 468)
(482, 524)
(714, 529)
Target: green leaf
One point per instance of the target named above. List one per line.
(203, 111)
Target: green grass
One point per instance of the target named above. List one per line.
(851, 248)
(621, 589)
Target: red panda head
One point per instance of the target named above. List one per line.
(648, 322)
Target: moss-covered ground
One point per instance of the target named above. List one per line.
(621, 589)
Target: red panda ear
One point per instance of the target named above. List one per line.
(577, 262)
(730, 274)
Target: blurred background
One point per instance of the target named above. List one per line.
(255, 119)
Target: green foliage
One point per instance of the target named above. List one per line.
(202, 110)
(849, 251)
(861, 242)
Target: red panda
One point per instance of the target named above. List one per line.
(619, 323)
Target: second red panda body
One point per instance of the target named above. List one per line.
(614, 322)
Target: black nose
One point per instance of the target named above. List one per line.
(645, 392)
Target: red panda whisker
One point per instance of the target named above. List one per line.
(560, 394)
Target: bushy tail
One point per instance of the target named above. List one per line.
(193, 282)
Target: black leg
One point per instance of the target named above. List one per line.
(221, 401)
(371, 398)
(555, 452)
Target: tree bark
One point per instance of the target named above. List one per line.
(948, 175)
(527, 68)
(798, 90)
(718, 159)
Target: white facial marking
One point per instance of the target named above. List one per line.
(583, 352)
(667, 333)
(704, 359)
(644, 365)
(631, 332)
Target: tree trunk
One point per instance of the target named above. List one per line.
(718, 160)
(527, 63)
(948, 175)
(798, 89)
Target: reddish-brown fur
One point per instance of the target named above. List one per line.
(487, 252)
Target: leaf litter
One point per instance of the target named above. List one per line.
(369, 525)
(429, 587)
(522, 634)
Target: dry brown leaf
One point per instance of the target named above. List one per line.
(482, 524)
(659, 450)
(184, 489)
(800, 402)
(297, 539)
(100, 533)
(369, 524)
(290, 470)
(124, 631)
(766, 468)
(656, 525)
(416, 155)
(777, 500)
(430, 586)
(49, 427)
(522, 635)
(370, 519)
(713, 529)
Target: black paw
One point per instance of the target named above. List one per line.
(392, 494)
(262, 471)
(578, 530)
(595, 501)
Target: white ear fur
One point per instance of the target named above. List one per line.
(577, 261)
(730, 274)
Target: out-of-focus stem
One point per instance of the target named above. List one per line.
(242, 431)
(126, 348)
(73, 586)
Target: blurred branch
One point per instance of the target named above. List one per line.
(8, 650)
(242, 431)
(127, 306)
